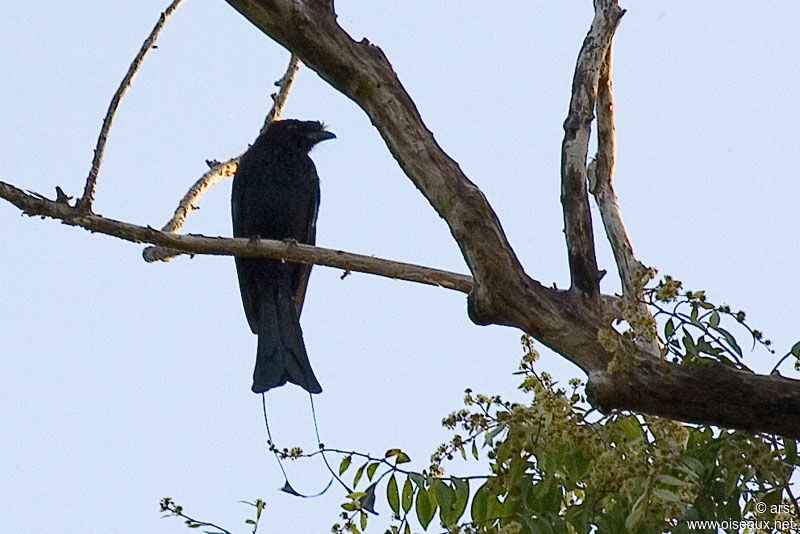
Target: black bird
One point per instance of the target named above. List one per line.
(276, 196)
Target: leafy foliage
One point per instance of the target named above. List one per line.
(555, 470)
(556, 466)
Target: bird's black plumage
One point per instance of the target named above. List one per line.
(276, 196)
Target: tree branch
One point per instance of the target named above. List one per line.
(577, 130)
(85, 202)
(36, 205)
(601, 174)
(361, 71)
(503, 294)
(284, 86)
(704, 394)
(187, 204)
(219, 170)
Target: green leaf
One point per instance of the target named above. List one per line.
(418, 479)
(671, 480)
(689, 346)
(461, 490)
(665, 495)
(358, 475)
(363, 520)
(424, 508)
(694, 464)
(391, 452)
(479, 505)
(345, 464)
(730, 340)
(444, 494)
(407, 529)
(630, 428)
(371, 470)
(713, 321)
(669, 329)
(790, 449)
(445, 498)
(637, 514)
(491, 434)
(368, 500)
(495, 508)
(393, 495)
(796, 350)
(475, 445)
(402, 458)
(408, 495)
(705, 347)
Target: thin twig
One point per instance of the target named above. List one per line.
(220, 170)
(392, 466)
(168, 506)
(85, 202)
(284, 86)
(794, 500)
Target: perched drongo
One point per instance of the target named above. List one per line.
(276, 196)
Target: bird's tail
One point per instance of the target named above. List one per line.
(281, 355)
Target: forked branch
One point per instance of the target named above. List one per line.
(501, 292)
(84, 203)
(583, 270)
(220, 171)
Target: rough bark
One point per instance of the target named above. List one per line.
(566, 321)
(500, 292)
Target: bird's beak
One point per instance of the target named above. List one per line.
(321, 135)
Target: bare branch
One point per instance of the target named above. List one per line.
(501, 293)
(577, 129)
(565, 321)
(187, 205)
(647, 383)
(220, 170)
(36, 205)
(284, 86)
(601, 173)
(361, 71)
(85, 202)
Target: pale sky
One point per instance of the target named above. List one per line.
(125, 382)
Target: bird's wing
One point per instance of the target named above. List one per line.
(310, 238)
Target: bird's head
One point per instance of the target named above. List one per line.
(302, 135)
